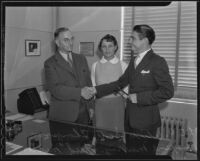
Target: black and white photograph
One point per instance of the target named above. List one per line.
(35, 141)
(100, 81)
(32, 47)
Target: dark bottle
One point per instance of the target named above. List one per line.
(10, 133)
(90, 130)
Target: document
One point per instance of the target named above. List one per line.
(39, 121)
(26, 118)
(29, 151)
(10, 147)
(15, 116)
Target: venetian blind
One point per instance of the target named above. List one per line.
(127, 29)
(175, 28)
(187, 64)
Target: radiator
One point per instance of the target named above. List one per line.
(175, 129)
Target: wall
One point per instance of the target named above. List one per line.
(90, 24)
(21, 72)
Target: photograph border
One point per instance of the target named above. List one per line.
(28, 50)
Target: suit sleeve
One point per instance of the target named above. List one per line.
(123, 81)
(164, 83)
(89, 82)
(90, 104)
(58, 90)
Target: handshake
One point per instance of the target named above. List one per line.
(88, 92)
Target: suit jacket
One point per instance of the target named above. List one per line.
(151, 82)
(65, 83)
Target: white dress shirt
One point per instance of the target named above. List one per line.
(65, 56)
(140, 56)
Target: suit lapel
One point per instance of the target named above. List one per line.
(62, 62)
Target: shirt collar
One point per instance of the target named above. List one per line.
(64, 55)
(114, 60)
(141, 55)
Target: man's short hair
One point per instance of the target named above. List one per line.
(59, 30)
(145, 31)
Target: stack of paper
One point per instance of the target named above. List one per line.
(29, 151)
(19, 117)
(10, 147)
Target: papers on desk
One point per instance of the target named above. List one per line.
(14, 117)
(10, 147)
(26, 118)
(19, 117)
(29, 151)
(39, 121)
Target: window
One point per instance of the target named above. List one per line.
(175, 26)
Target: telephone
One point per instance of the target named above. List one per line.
(29, 102)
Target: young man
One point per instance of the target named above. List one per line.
(149, 84)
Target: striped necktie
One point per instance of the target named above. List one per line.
(69, 60)
(136, 61)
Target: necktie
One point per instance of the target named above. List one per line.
(136, 61)
(69, 60)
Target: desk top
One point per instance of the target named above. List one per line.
(67, 138)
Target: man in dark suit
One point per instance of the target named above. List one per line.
(149, 84)
(67, 75)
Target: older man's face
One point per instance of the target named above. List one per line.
(65, 41)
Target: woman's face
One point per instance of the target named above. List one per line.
(108, 49)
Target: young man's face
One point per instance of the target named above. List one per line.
(65, 41)
(137, 44)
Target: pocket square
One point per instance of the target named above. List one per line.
(145, 71)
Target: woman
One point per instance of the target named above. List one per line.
(109, 110)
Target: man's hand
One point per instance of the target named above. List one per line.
(133, 98)
(88, 92)
(91, 113)
(92, 90)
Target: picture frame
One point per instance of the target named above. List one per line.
(34, 141)
(87, 48)
(32, 47)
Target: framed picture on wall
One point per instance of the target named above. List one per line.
(87, 48)
(32, 47)
(34, 141)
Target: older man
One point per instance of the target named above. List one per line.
(67, 74)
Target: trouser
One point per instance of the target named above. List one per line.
(141, 141)
(60, 130)
(83, 116)
(66, 136)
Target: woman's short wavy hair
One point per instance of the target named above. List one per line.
(108, 38)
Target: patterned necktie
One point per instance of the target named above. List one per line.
(136, 61)
(69, 60)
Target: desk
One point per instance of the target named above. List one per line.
(66, 138)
